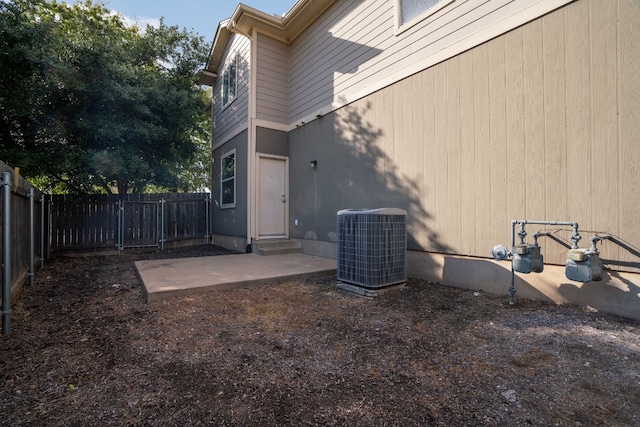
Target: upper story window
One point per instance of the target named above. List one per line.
(410, 12)
(228, 180)
(230, 81)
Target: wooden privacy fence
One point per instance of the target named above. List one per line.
(96, 222)
(23, 236)
(33, 224)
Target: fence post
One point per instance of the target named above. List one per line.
(6, 255)
(32, 237)
(120, 241)
(49, 225)
(162, 203)
(42, 233)
(207, 202)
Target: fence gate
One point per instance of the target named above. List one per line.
(131, 221)
(140, 224)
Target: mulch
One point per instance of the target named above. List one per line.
(85, 349)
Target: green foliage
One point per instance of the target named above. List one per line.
(89, 104)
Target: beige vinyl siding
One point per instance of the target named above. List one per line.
(451, 109)
(578, 111)
(603, 103)
(629, 122)
(232, 118)
(541, 123)
(533, 84)
(481, 177)
(354, 46)
(467, 157)
(557, 168)
(429, 173)
(515, 125)
(272, 80)
(441, 184)
(497, 143)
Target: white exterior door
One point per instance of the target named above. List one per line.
(272, 197)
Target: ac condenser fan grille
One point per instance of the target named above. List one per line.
(372, 247)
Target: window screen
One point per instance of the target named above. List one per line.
(228, 180)
(410, 9)
(229, 81)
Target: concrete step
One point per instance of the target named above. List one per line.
(277, 247)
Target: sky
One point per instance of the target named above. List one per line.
(200, 16)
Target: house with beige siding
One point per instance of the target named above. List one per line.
(467, 114)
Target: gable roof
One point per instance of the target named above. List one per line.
(245, 19)
(283, 28)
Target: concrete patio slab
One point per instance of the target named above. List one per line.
(167, 278)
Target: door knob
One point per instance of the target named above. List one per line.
(284, 199)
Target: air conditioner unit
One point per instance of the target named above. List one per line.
(372, 246)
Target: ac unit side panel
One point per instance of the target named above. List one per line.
(371, 248)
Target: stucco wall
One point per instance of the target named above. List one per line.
(271, 141)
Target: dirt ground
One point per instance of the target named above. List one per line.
(86, 350)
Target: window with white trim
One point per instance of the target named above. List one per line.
(230, 81)
(413, 11)
(228, 180)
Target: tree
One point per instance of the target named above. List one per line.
(89, 103)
